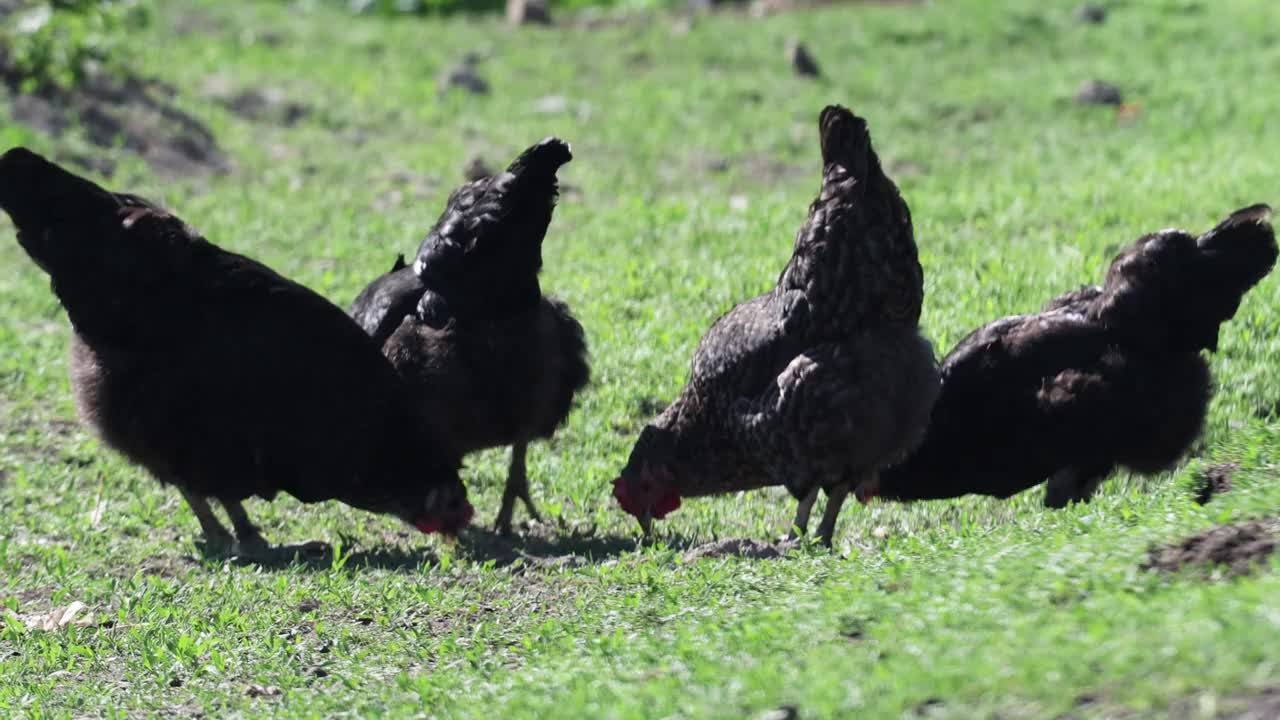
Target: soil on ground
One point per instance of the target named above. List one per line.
(139, 115)
(1237, 548)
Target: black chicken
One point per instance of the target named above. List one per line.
(818, 383)
(216, 374)
(494, 361)
(1103, 377)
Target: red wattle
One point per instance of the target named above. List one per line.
(669, 503)
(623, 497)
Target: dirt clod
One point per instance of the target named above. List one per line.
(267, 105)
(263, 691)
(1091, 14)
(1097, 92)
(1214, 480)
(464, 76)
(1238, 548)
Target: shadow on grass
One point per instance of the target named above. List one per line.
(550, 549)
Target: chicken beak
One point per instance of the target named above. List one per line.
(646, 522)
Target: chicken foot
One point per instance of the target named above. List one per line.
(249, 541)
(517, 487)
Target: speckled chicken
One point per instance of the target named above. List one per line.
(818, 383)
(216, 374)
(493, 361)
(1103, 377)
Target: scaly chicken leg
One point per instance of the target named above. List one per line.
(249, 541)
(835, 501)
(800, 526)
(215, 536)
(517, 487)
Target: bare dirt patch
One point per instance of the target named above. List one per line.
(1262, 707)
(738, 547)
(264, 105)
(140, 115)
(1238, 549)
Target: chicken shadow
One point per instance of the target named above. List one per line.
(558, 548)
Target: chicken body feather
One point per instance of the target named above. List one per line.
(818, 383)
(1103, 377)
(492, 361)
(217, 374)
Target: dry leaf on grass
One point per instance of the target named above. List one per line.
(58, 618)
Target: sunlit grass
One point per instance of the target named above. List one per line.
(972, 608)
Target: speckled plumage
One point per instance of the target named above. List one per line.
(215, 373)
(492, 360)
(1103, 377)
(819, 382)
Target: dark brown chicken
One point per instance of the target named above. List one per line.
(216, 374)
(494, 362)
(818, 383)
(1103, 377)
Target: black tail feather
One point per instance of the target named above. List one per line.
(845, 140)
(1240, 250)
(37, 193)
(542, 159)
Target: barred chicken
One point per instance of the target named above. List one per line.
(218, 375)
(492, 360)
(820, 382)
(1104, 377)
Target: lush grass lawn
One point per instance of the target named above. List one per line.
(695, 159)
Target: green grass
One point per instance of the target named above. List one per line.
(973, 608)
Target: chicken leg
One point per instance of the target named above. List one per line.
(517, 487)
(1073, 484)
(800, 525)
(835, 500)
(215, 536)
(249, 541)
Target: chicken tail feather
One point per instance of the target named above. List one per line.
(37, 193)
(1242, 248)
(542, 159)
(845, 140)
